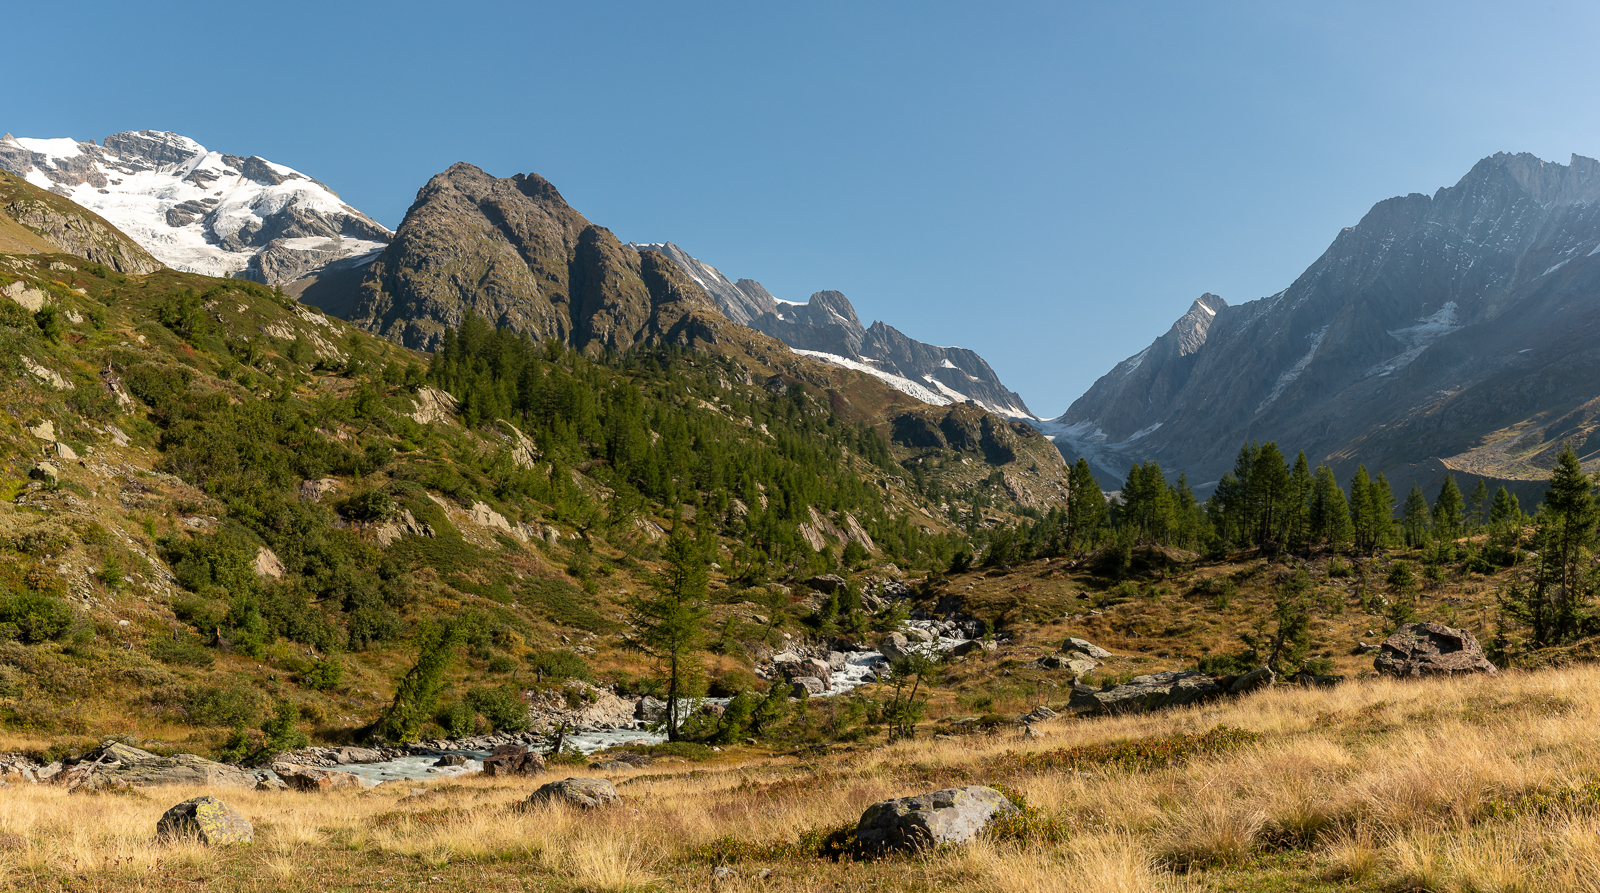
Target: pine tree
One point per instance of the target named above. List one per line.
(1329, 512)
(1086, 508)
(1414, 518)
(1297, 516)
(1381, 500)
(669, 625)
(417, 695)
(1270, 492)
(1572, 514)
(1361, 524)
(1477, 506)
(1448, 510)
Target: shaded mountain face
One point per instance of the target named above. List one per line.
(201, 211)
(1452, 332)
(514, 252)
(826, 328)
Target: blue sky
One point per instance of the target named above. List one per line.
(1050, 184)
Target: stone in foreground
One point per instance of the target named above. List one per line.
(1157, 691)
(1431, 649)
(588, 793)
(951, 816)
(207, 820)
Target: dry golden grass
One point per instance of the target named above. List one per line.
(1467, 784)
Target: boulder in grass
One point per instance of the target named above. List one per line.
(513, 759)
(806, 686)
(1157, 691)
(1084, 646)
(1260, 677)
(1431, 649)
(952, 816)
(585, 793)
(312, 780)
(207, 820)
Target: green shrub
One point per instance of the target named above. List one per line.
(324, 675)
(153, 384)
(558, 665)
(32, 617)
(207, 705)
(502, 706)
(456, 719)
(184, 650)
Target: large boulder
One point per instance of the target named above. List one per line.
(311, 779)
(117, 765)
(1074, 662)
(894, 646)
(1260, 677)
(586, 793)
(806, 686)
(1156, 691)
(650, 709)
(1084, 646)
(952, 816)
(827, 583)
(513, 759)
(1431, 649)
(207, 820)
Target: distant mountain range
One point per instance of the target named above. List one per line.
(826, 328)
(202, 211)
(1448, 333)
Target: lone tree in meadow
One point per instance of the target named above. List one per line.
(669, 625)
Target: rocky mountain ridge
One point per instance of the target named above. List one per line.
(1451, 332)
(827, 328)
(201, 211)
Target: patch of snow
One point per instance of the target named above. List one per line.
(1417, 338)
(1293, 372)
(57, 148)
(1555, 268)
(903, 385)
(1208, 310)
(946, 364)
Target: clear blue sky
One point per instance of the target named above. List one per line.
(1049, 184)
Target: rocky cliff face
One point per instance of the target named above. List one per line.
(201, 211)
(42, 222)
(1444, 332)
(826, 328)
(514, 252)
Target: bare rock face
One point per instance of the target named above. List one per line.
(207, 820)
(74, 229)
(953, 816)
(1431, 649)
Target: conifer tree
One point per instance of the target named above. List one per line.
(1414, 518)
(1299, 498)
(1361, 524)
(1571, 509)
(1086, 508)
(669, 625)
(1329, 512)
(1477, 506)
(1448, 510)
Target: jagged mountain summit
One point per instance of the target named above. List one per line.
(1452, 332)
(826, 328)
(201, 211)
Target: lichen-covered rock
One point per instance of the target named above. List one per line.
(207, 820)
(1431, 649)
(1084, 646)
(952, 816)
(587, 793)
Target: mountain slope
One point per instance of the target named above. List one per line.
(826, 328)
(1444, 332)
(33, 221)
(201, 211)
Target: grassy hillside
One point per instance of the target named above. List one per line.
(219, 500)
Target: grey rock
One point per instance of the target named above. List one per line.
(952, 816)
(1156, 691)
(806, 686)
(587, 793)
(207, 820)
(1431, 649)
(1260, 677)
(973, 646)
(827, 583)
(650, 709)
(894, 646)
(1084, 646)
(451, 759)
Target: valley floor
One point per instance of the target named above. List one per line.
(1463, 784)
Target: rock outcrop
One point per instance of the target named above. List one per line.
(1431, 649)
(70, 228)
(952, 816)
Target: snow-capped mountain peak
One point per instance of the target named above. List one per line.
(199, 210)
